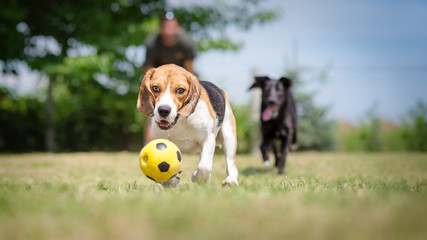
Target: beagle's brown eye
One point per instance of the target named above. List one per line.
(155, 89)
(180, 90)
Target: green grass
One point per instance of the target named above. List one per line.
(322, 196)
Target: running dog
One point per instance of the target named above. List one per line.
(195, 115)
(278, 118)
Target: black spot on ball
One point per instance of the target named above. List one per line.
(161, 146)
(163, 166)
(178, 155)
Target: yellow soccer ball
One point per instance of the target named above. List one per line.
(160, 160)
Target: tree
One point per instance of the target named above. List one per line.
(414, 128)
(315, 130)
(42, 32)
(56, 37)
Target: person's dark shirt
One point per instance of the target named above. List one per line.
(158, 54)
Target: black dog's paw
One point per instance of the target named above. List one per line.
(294, 146)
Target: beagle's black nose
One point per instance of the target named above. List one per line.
(164, 110)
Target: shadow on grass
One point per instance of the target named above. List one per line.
(256, 171)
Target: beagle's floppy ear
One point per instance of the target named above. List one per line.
(259, 82)
(193, 96)
(145, 103)
(286, 82)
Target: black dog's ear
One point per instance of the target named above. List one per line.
(286, 82)
(259, 82)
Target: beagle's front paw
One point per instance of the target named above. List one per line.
(230, 181)
(200, 176)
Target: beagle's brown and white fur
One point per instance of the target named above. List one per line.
(195, 115)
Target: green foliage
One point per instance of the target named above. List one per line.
(373, 134)
(392, 139)
(208, 22)
(369, 132)
(414, 129)
(82, 48)
(23, 123)
(111, 26)
(94, 111)
(315, 130)
(245, 127)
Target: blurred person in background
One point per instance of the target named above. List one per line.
(170, 45)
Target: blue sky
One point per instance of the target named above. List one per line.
(375, 53)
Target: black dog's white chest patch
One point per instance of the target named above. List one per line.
(216, 97)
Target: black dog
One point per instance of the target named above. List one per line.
(278, 118)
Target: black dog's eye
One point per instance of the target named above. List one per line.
(180, 90)
(155, 89)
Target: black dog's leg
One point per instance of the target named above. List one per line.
(294, 140)
(276, 154)
(294, 137)
(282, 158)
(265, 146)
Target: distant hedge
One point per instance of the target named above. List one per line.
(374, 134)
(96, 119)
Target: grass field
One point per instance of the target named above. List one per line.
(322, 196)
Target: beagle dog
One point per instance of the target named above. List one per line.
(195, 115)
